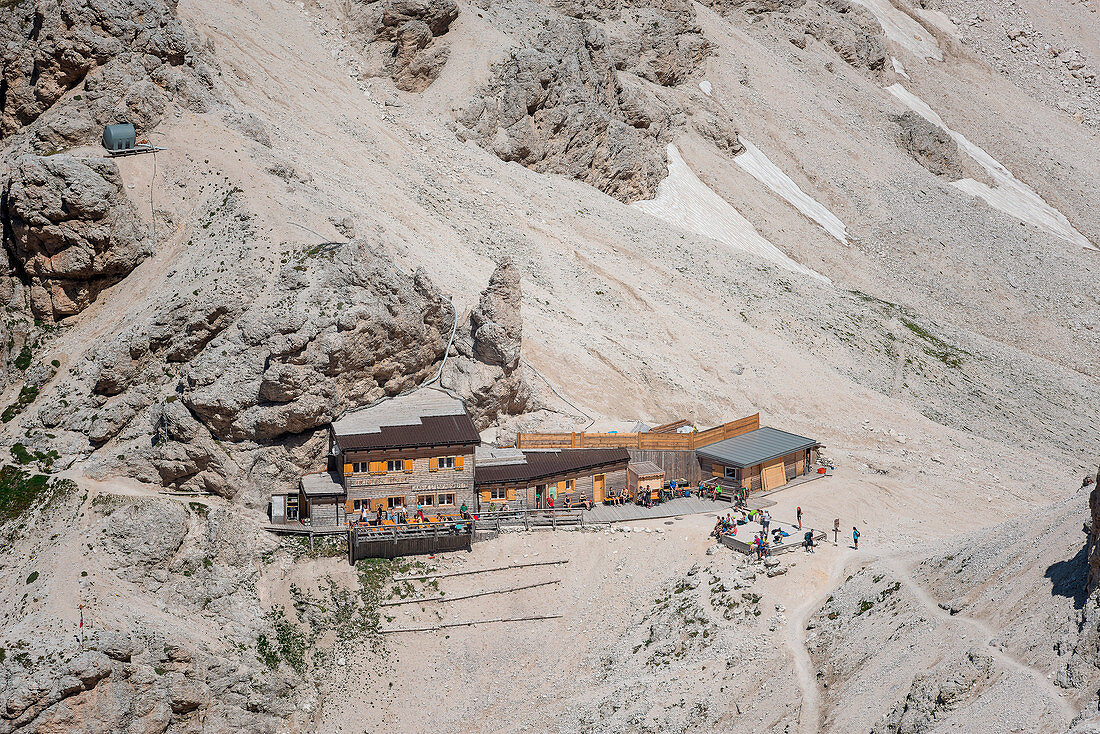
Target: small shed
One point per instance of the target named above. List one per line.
(119, 137)
(766, 458)
(322, 498)
(643, 477)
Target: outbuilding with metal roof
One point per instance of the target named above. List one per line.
(765, 458)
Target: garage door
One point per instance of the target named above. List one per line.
(774, 475)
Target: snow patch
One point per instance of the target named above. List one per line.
(1010, 195)
(705, 86)
(754, 162)
(898, 68)
(903, 29)
(686, 202)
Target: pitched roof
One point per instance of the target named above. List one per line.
(755, 447)
(425, 417)
(645, 467)
(321, 483)
(544, 464)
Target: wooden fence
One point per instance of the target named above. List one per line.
(392, 541)
(643, 441)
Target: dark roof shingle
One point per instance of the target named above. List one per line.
(433, 430)
(545, 464)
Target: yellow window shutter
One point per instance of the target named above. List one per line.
(458, 463)
(561, 487)
(511, 495)
(347, 468)
(433, 464)
(378, 467)
(484, 496)
(408, 466)
(349, 507)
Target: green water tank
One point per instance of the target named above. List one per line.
(119, 137)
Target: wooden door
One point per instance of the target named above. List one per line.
(599, 488)
(774, 476)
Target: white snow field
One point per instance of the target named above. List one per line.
(688, 203)
(1010, 195)
(705, 86)
(898, 68)
(754, 162)
(904, 30)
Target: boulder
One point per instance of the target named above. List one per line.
(74, 232)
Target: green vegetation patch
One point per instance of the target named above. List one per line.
(26, 396)
(18, 490)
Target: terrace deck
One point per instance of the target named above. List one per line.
(669, 508)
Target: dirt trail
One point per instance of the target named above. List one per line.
(809, 718)
(981, 634)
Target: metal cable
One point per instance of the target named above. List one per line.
(591, 420)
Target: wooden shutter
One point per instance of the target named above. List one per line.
(561, 487)
(349, 507)
(485, 497)
(511, 495)
(378, 467)
(408, 466)
(458, 463)
(774, 475)
(348, 469)
(433, 464)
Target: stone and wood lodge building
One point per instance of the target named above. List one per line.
(415, 449)
(527, 479)
(423, 449)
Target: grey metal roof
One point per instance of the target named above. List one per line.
(426, 417)
(755, 447)
(321, 484)
(404, 410)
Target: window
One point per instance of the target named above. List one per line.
(360, 467)
(392, 502)
(427, 500)
(446, 462)
(395, 465)
(446, 499)
(292, 507)
(498, 493)
(732, 472)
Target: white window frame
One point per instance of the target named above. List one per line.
(731, 472)
(498, 493)
(391, 463)
(446, 462)
(391, 504)
(429, 497)
(440, 500)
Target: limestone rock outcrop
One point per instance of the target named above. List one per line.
(928, 144)
(486, 371)
(72, 230)
(851, 30)
(582, 95)
(401, 38)
(131, 57)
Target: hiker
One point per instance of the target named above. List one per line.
(379, 515)
(765, 521)
(855, 538)
(550, 502)
(420, 512)
(798, 514)
(808, 543)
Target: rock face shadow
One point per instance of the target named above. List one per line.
(1068, 578)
